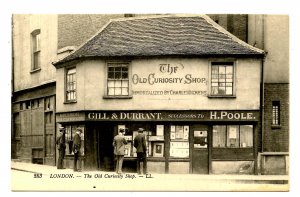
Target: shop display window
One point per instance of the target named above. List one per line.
(179, 141)
(154, 135)
(70, 133)
(232, 136)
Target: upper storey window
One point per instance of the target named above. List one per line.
(117, 79)
(222, 79)
(71, 84)
(36, 49)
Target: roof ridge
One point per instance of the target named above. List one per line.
(233, 37)
(155, 16)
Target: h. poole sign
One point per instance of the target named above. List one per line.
(213, 115)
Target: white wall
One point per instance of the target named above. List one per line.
(91, 87)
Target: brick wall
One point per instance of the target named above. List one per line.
(276, 139)
(75, 29)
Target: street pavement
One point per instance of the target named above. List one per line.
(35, 177)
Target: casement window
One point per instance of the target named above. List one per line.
(71, 84)
(117, 79)
(232, 136)
(222, 79)
(36, 49)
(276, 113)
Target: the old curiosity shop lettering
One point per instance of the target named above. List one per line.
(151, 79)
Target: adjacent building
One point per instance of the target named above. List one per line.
(34, 81)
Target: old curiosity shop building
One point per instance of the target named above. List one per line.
(194, 87)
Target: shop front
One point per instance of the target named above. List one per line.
(178, 142)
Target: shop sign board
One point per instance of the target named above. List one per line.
(209, 115)
(226, 115)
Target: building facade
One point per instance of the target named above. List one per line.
(187, 90)
(33, 101)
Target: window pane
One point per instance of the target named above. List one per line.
(233, 136)
(118, 91)
(229, 70)
(118, 83)
(111, 84)
(221, 91)
(246, 139)
(37, 42)
(125, 83)
(222, 70)
(125, 91)
(36, 63)
(117, 75)
(111, 91)
(228, 84)
(124, 75)
(214, 70)
(111, 75)
(111, 69)
(228, 90)
(125, 68)
(219, 136)
(214, 90)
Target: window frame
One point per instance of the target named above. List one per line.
(276, 117)
(234, 65)
(66, 85)
(106, 95)
(35, 50)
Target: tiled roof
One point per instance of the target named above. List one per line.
(194, 35)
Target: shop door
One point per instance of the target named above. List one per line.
(200, 150)
(105, 147)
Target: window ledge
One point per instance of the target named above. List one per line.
(220, 96)
(35, 70)
(275, 126)
(117, 97)
(70, 102)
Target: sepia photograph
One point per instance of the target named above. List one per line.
(150, 102)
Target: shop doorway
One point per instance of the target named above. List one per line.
(105, 136)
(200, 149)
